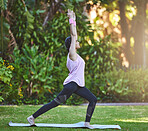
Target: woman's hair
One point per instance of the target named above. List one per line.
(68, 42)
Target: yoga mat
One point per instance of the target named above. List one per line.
(76, 125)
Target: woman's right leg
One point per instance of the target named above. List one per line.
(61, 98)
(45, 108)
(42, 110)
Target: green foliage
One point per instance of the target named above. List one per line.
(40, 59)
(69, 5)
(4, 29)
(5, 72)
(5, 78)
(130, 86)
(110, 5)
(19, 22)
(100, 58)
(30, 26)
(34, 72)
(3, 4)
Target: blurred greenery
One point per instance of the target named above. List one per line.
(32, 42)
(5, 77)
(129, 86)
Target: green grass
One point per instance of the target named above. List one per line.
(130, 118)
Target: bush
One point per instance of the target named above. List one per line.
(121, 86)
(100, 57)
(40, 59)
(35, 78)
(5, 78)
(32, 76)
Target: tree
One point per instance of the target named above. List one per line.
(125, 30)
(139, 31)
(133, 26)
(136, 30)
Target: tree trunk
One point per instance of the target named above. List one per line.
(139, 31)
(125, 31)
(2, 42)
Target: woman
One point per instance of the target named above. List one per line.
(74, 83)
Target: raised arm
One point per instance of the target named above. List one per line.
(73, 31)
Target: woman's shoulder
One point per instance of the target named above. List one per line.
(68, 58)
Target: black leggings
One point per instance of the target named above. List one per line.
(70, 88)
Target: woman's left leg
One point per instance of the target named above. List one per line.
(85, 93)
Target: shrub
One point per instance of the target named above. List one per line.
(32, 75)
(129, 86)
(5, 78)
(100, 57)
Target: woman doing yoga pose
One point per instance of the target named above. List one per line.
(75, 82)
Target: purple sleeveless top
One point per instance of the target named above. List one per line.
(76, 69)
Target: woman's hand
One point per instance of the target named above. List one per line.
(71, 14)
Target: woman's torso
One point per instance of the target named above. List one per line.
(76, 69)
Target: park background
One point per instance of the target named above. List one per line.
(113, 35)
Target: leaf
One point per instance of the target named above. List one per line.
(47, 86)
(40, 11)
(42, 79)
(104, 92)
(6, 80)
(101, 88)
(31, 26)
(34, 33)
(1, 99)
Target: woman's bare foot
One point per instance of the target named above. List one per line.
(31, 120)
(87, 124)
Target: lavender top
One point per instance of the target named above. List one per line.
(76, 69)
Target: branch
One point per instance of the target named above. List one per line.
(52, 11)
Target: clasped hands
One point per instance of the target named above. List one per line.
(71, 14)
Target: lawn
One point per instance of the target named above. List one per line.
(130, 118)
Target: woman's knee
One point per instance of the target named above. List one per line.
(94, 99)
(60, 99)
